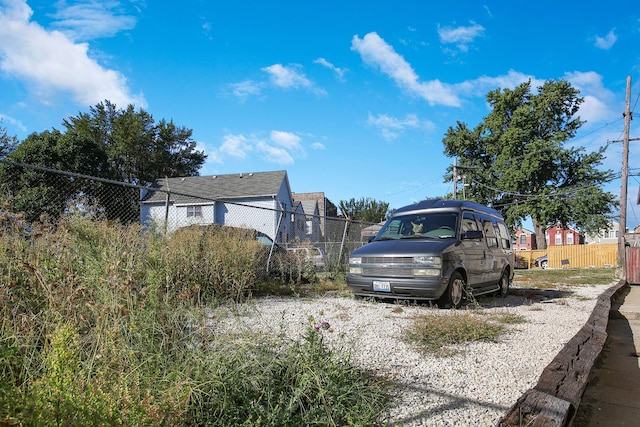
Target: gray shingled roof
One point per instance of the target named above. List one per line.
(225, 187)
(309, 206)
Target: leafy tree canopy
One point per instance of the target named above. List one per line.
(365, 209)
(7, 143)
(516, 161)
(139, 151)
(122, 145)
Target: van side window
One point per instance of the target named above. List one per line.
(468, 222)
(504, 235)
(489, 232)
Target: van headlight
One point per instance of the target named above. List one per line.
(426, 271)
(431, 260)
(355, 262)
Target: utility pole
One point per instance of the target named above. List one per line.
(455, 177)
(623, 189)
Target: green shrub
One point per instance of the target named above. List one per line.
(104, 324)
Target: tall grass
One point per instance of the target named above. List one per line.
(103, 324)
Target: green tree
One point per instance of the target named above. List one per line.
(365, 209)
(7, 143)
(35, 191)
(139, 151)
(122, 145)
(516, 161)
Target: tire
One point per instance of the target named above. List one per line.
(504, 285)
(544, 264)
(454, 294)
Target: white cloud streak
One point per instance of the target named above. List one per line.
(338, 71)
(392, 127)
(89, 20)
(242, 90)
(376, 53)
(607, 41)
(460, 36)
(281, 147)
(48, 62)
(280, 76)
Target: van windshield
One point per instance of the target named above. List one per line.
(420, 226)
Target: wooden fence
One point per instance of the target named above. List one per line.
(633, 265)
(572, 256)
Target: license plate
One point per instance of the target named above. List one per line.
(381, 286)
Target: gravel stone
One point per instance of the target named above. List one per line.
(475, 386)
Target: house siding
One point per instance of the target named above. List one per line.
(559, 236)
(268, 213)
(529, 240)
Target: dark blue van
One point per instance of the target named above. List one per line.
(436, 250)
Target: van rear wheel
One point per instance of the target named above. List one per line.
(454, 294)
(504, 285)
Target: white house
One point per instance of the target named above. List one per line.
(258, 200)
(298, 222)
(608, 235)
(312, 220)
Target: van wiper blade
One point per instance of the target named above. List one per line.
(416, 236)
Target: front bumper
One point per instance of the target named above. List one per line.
(430, 288)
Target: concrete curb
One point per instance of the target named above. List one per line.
(556, 397)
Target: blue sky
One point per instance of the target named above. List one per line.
(351, 98)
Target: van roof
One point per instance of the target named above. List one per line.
(453, 205)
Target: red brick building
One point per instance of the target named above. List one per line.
(524, 240)
(561, 236)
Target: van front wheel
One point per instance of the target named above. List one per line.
(454, 294)
(504, 285)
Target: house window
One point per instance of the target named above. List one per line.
(523, 239)
(194, 211)
(569, 238)
(558, 241)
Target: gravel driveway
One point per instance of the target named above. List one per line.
(473, 387)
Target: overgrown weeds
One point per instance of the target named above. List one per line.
(103, 324)
(435, 332)
(543, 279)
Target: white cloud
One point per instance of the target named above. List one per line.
(317, 146)
(235, 146)
(597, 98)
(484, 84)
(339, 71)
(392, 127)
(287, 77)
(15, 122)
(48, 62)
(378, 54)
(89, 20)
(287, 140)
(607, 41)
(274, 154)
(460, 36)
(290, 77)
(244, 89)
(281, 147)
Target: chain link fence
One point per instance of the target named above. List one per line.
(42, 194)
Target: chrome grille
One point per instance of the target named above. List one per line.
(386, 260)
(387, 272)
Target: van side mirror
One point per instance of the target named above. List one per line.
(472, 234)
